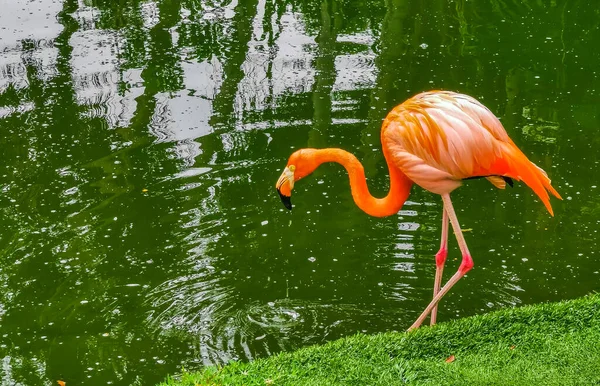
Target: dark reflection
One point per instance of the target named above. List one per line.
(141, 141)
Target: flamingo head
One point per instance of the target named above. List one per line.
(300, 164)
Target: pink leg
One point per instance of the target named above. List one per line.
(440, 259)
(465, 265)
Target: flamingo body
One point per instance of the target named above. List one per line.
(436, 140)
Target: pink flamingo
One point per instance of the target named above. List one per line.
(435, 139)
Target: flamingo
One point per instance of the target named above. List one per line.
(436, 140)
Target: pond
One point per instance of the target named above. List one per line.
(141, 141)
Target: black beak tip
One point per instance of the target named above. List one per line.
(287, 200)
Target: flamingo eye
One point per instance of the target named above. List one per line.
(292, 168)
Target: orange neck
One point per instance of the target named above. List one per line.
(379, 207)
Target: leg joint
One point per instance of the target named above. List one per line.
(466, 264)
(440, 257)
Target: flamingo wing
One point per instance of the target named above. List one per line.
(439, 138)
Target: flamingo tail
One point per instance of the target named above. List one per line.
(514, 164)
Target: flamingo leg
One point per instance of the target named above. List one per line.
(465, 265)
(440, 259)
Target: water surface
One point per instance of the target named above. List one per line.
(141, 141)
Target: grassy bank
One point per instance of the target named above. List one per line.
(549, 344)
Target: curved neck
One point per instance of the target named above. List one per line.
(379, 207)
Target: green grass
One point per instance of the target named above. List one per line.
(546, 344)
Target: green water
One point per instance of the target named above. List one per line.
(141, 232)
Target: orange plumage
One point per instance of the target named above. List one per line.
(439, 138)
(436, 140)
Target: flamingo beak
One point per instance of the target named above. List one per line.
(284, 187)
